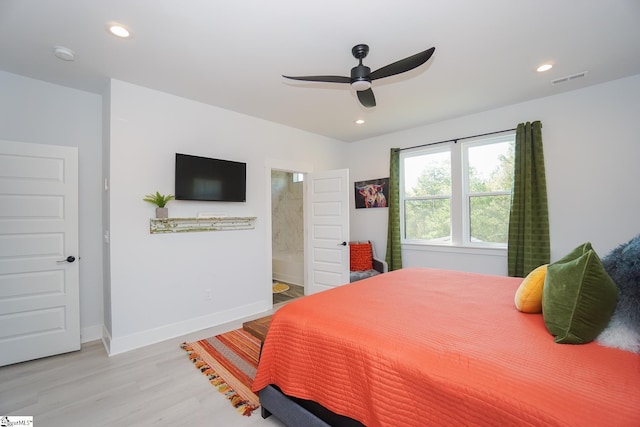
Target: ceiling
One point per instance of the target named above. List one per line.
(232, 54)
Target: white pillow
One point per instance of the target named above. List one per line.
(618, 335)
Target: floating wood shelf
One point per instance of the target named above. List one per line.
(189, 225)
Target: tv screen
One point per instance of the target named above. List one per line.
(202, 178)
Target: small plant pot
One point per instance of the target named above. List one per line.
(162, 212)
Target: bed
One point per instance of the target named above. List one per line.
(421, 346)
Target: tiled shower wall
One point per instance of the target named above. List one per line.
(286, 214)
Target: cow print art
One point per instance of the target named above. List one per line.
(372, 193)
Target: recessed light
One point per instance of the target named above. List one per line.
(359, 122)
(119, 31)
(544, 67)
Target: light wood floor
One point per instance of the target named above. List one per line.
(155, 385)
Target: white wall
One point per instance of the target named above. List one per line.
(591, 148)
(106, 217)
(158, 282)
(44, 113)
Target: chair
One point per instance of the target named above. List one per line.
(363, 261)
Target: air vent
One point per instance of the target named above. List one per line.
(569, 78)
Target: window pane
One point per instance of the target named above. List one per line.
(489, 218)
(491, 167)
(428, 175)
(428, 219)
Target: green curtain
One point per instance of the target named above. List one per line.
(529, 245)
(394, 252)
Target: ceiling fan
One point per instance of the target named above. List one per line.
(361, 75)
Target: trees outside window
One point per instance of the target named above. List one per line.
(458, 193)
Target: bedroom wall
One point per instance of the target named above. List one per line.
(158, 283)
(590, 152)
(591, 149)
(43, 113)
(106, 217)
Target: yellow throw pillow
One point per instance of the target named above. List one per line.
(529, 294)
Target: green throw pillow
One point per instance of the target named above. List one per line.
(578, 297)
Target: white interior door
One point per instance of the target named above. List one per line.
(327, 209)
(39, 288)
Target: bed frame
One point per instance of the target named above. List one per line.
(299, 412)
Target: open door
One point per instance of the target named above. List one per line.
(327, 249)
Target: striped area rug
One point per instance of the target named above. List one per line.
(229, 361)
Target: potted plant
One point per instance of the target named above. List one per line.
(160, 200)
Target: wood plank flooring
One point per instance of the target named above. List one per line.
(295, 291)
(153, 386)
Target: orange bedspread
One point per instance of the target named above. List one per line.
(422, 347)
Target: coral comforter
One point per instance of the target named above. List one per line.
(420, 347)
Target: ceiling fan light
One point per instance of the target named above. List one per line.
(360, 85)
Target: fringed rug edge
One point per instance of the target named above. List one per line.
(243, 406)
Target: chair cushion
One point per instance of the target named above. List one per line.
(354, 276)
(361, 256)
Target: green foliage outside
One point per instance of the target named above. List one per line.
(428, 212)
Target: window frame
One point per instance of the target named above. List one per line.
(460, 218)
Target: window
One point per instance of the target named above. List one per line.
(427, 196)
(458, 193)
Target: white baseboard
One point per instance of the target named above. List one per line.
(91, 333)
(116, 345)
(106, 339)
(287, 278)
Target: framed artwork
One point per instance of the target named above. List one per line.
(372, 193)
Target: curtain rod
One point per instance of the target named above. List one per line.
(455, 140)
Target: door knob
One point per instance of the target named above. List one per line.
(68, 259)
(342, 244)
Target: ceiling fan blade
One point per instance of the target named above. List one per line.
(403, 65)
(325, 79)
(366, 98)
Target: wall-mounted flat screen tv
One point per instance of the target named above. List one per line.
(203, 178)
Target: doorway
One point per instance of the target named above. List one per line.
(287, 235)
(325, 205)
